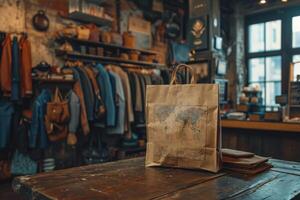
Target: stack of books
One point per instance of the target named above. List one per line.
(245, 163)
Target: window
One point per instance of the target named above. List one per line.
(296, 58)
(273, 42)
(296, 44)
(296, 31)
(265, 70)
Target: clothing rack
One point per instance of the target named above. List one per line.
(103, 59)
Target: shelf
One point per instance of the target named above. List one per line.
(295, 106)
(86, 18)
(98, 2)
(101, 44)
(86, 57)
(53, 80)
(267, 126)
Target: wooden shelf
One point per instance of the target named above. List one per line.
(48, 80)
(295, 106)
(98, 2)
(112, 60)
(101, 44)
(86, 18)
(267, 126)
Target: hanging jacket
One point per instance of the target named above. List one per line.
(106, 92)
(87, 92)
(132, 88)
(26, 67)
(126, 85)
(15, 90)
(120, 100)
(138, 94)
(74, 106)
(77, 88)
(6, 66)
(6, 116)
(92, 74)
(37, 135)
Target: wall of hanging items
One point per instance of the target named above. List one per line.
(77, 114)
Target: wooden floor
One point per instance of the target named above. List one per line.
(129, 179)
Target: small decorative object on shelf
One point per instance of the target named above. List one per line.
(251, 102)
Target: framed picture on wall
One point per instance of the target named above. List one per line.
(221, 67)
(198, 33)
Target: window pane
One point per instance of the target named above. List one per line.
(256, 70)
(256, 38)
(296, 58)
(272, 89)
(273, 35)
(296, 31)
(273, 68)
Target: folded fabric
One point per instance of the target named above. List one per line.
(252, 171)
(245, 162)
(236, 153)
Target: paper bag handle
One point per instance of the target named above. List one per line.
(179, 67)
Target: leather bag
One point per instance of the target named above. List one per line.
(58, 109)
(56, 132)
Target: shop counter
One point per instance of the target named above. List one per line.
(261, 125)
(129, 179)
(273, 139)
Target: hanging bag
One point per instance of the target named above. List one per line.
(182, 125)
(58, 109)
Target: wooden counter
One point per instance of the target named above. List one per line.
(129, 179)
(276, 140)
(267, 126)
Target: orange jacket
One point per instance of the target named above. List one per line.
(6, 66)
(83, 115)
(26, 66)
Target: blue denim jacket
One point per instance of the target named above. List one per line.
(6, 114)
(15, 91)
(37, 135)
(107, 95)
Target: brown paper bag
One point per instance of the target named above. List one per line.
(183, 125)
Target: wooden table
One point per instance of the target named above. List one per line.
(129, 179)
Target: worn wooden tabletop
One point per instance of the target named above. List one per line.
(129, 179)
